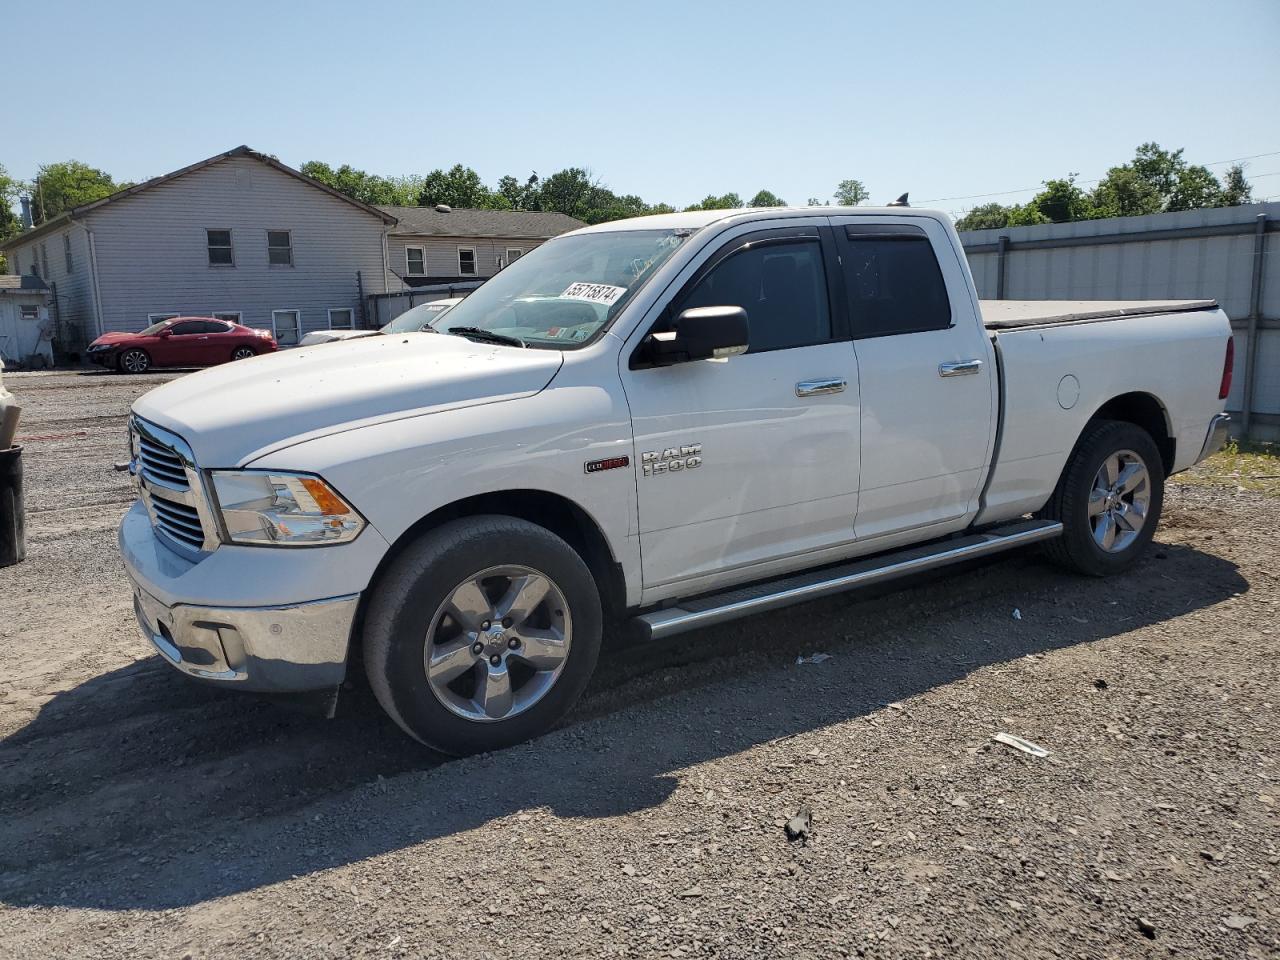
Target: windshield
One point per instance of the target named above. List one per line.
(155, 328)
(559, 295)
(416, 318)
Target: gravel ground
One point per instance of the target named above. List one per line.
(141, 816)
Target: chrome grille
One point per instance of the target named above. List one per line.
(170, 488)
(161, 462)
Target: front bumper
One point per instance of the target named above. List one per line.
(271, 649)
(1216, 438)
(253, 618)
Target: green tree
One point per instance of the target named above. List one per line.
(815, 202)
(365, 187)
(58, 187)
(850, 193)
(1124, 192)
(766, 198)
(1061, 201)
(1196, 187)
(986, 216)
(459, 186)
(728, 201)
(1235, 188)
(10, 225)
(521, 196)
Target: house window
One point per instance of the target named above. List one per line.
(231, 316)
(513, 254)
(415, 261)
(342, 318)
(285, 325)
(279, 248)
(219, 242)
(466, 261)
(30, 311)
(66, 251)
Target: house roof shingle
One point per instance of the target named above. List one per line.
(501, 224)
(27, 283)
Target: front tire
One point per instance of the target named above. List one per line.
(133, 360)
(1108, 500)
(482, 634)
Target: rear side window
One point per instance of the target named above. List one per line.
(781, 285)
(188, 328)
(893, 281)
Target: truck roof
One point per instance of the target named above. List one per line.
(697, 219)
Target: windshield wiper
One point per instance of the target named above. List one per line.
(487, 336)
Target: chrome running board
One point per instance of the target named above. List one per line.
(770, 595)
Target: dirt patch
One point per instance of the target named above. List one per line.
(142, 816)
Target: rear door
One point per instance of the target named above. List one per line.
(750, 462)
(925, 370)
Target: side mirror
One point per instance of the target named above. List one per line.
(702, 333)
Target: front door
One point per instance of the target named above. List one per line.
(753, 458)
(925, 368)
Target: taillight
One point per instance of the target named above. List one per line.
(1228, 363)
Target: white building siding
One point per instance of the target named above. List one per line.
(153, 256)
(71, 302)
(441, 254)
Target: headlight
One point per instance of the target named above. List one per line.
(283, 509)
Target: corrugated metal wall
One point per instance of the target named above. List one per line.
(1195, 254)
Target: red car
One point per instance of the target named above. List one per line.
(180, 342)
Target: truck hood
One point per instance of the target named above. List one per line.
(240, 411)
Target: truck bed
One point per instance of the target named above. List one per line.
(1013, 314)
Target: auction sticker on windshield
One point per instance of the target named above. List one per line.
(593, 292)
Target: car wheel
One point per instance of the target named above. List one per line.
(134, 361)
(243, 353)
(482, 634)
(1108, 499)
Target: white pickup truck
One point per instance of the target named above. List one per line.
(670, 421)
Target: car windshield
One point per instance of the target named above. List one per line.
(559, 295)
(416, 318)
(155, 328)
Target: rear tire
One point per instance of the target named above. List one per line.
(451, 651)
(133, 360)
(1108, 499)
(243, 353)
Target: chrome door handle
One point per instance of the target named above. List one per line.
(961, 368)
(818, 388)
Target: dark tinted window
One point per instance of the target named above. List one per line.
(783, 288)
(216, 326)
(894, 283)
(188, 328)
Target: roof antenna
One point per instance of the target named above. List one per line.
(900, 202)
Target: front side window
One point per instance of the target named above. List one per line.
(341, 319)
(415, 261)
(783, 287)
(279, 248)
(219, 244)
(285, 324)
(893, 281)
(157, 322)
(466, 262)
(188, 328)
(563, 293)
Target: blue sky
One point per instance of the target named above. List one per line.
(668, 100)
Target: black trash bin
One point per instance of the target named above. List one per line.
(13, 536)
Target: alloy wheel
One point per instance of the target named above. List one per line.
(1119, 501)
(498, 643)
